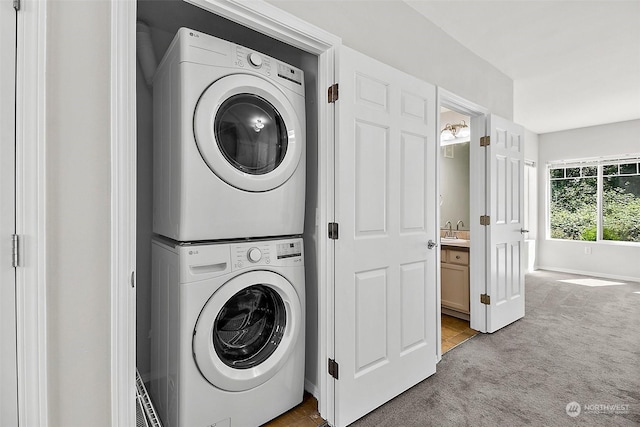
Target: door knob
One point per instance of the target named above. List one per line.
(431, 244)
(522, 230)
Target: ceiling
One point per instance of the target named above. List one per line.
(574, 63)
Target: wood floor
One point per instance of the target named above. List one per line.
(304, 415)
(454, 332)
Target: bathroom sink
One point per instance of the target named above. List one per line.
(451, 241)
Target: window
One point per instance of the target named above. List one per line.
(595, 200)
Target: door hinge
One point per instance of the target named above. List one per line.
(333, 368)
(485, 140)
(332, 94)
(16, 4)
(15, 250)
(485, 299)
(485, 220)
(333, 230)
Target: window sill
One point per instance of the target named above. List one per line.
(598, 242)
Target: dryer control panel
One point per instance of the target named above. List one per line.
(263, 64)
(272, 252)
(245, 57)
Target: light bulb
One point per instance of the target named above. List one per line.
(446, 135)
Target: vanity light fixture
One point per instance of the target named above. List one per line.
(455, 133)
(458, 130)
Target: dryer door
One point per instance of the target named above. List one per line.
(247, 330)
(248, 132)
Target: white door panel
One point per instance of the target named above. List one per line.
(505, 242)
(8, 370)
(385, 283)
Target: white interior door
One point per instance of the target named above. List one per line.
(385, 276)
(8, 370)
(505, 240)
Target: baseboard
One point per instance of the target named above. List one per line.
(311, 388)
(589, 273)
(455, 313)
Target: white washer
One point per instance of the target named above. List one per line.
(229, 142)
(227, 342)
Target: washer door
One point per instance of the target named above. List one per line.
(248, 132)
(247, 330)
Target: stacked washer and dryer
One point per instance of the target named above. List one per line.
(228, 292)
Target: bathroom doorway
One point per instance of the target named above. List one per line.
(455, 233)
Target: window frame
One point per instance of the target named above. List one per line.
(599, 163)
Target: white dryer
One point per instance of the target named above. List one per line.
(229, 142)
(227, 342)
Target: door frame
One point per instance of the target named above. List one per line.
(478, 192)
(31, 275)
(8, 351)
(280, 25)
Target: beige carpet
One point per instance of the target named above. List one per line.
(579, 342)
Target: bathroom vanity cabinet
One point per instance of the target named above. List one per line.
(454, 293)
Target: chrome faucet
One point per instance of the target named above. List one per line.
(458, 225)
(450, 232)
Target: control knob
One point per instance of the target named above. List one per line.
(255, 60)
(254, 254)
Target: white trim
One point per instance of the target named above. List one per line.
(589, 273)
(594, 161)
(460, 105)
(440, 100)
(311, 388)
(268, 19)
(31, 214)
(274, 22)
(123, 213)
(327, 65)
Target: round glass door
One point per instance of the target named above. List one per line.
(249, 327)
(251, 134)
(247, 330)
(248, 132)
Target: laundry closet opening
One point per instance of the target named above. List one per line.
(158, 24)
(455, 230)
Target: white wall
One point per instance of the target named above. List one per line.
(78, 213)
(531, 146)
(617, 260)
(531, 150)
(394, 33)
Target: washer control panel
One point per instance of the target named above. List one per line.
(289, 250)
(264, 253)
